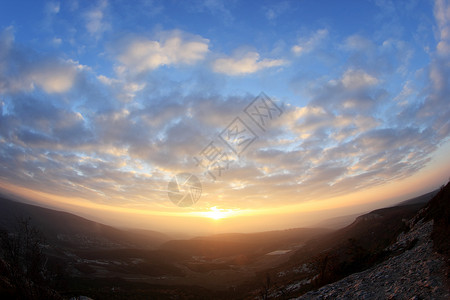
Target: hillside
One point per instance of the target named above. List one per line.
(90, 258)
(414, 266)
(65, 229)
(99, 261)
(417, 273)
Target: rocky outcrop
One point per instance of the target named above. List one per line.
(417, 273)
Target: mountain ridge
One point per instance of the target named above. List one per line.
(418, 266)
(59, 225)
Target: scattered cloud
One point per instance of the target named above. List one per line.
(214, 7)
(442, 14)
(354, 91)
(21, 72)
(246, 63)
(357, 79)
(118, 136)
(357, 42)
(52, 7)
(309, 44)
(173, 48)
(54, 77)
(275, 10)
(435, 107)
(96, 23)
(56, 41)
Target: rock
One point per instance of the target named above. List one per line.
(418, 273)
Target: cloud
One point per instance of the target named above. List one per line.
(309, 44)
(392, 55)
(325, 153)
(52, 7)
(20, 71)
(173, 48)
(215, 7)
(354, 91)
(434, 110)
(96, 24)
(406, 93)
(274, 11)
(56, 41)
(6, 43)
(118, 138)
(357, 79)
(358, 43)
(442, 15)
(54, 77)
(36, 122)
(246, 63)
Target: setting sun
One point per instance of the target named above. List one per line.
(213, 149)
(218, 213)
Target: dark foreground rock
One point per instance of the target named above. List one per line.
(417, 273)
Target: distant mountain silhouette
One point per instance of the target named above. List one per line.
(337, 222)
(423, 199)
(342, 221)
(71, 230)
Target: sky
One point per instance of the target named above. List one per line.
(284, 112)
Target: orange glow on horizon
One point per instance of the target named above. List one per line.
(219, 213)
(264, 218)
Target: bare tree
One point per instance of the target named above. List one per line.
(25, 262)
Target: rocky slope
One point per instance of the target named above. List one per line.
(419, 272)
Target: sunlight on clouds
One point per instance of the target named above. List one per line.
(106, 80)
(145, 55)
(247, 63)
(308, 45)
(53, 75)
(365, 110)
(124, 90)
(406, 92)
(442, 13)
(356, 79)
(54, 79)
